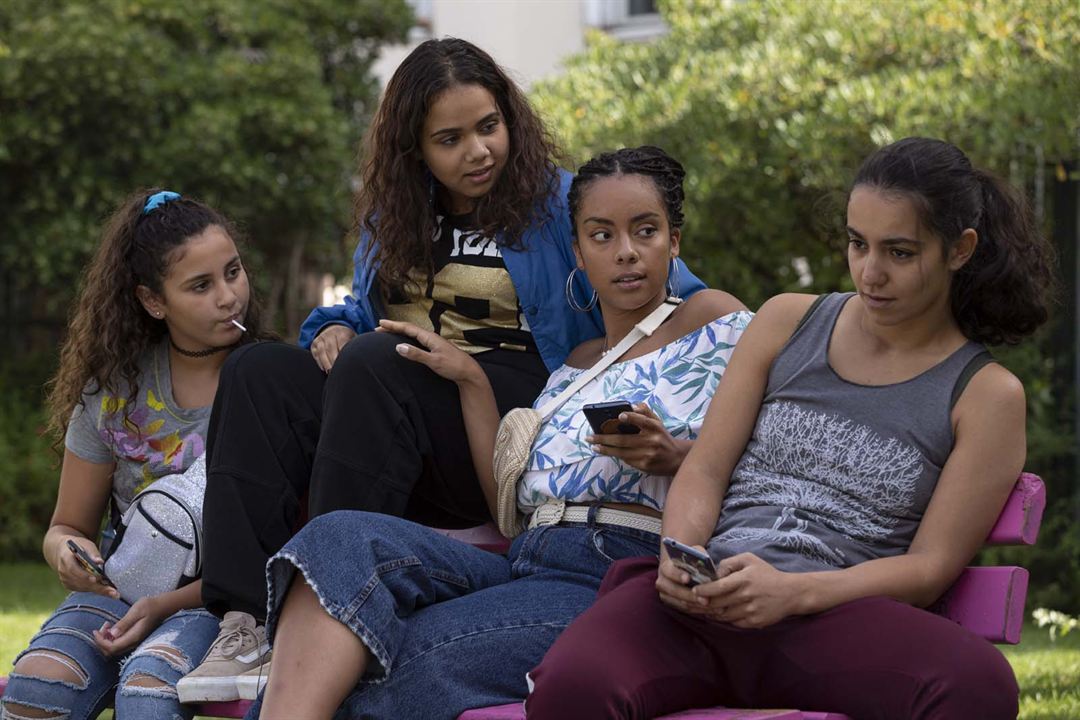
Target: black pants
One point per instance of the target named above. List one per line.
(379, 433)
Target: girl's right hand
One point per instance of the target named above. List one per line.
(73, 575)
(672, 582)
(327, 345)
(438, 354)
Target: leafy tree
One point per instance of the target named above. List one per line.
(772, 104)
(254, 106)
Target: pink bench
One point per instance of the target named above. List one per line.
(989, 601)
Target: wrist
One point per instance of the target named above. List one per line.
(474, 378)
(52, 545)
(682, 449)
(806, 593)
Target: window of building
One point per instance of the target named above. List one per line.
(625, 19)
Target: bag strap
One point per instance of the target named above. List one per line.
(643, 329)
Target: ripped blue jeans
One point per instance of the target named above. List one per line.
(144, 680)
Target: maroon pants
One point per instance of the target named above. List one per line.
(630, 656)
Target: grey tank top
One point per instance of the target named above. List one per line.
(837, 473)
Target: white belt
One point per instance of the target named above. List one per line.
(554, 512)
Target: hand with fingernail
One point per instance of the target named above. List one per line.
(74, 575)
(438, 354)
(652, 450)
(117, 638)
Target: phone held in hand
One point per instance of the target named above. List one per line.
(697, 564)
(88, 562)
(604, 418)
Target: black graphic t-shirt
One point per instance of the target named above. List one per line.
(469, 299)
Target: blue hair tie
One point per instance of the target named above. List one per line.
(158, 199)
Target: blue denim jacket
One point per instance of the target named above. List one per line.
(538, 271)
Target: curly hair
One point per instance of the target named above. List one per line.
(109, 331)
(665, 172)
(1003, 292)
(395, 201)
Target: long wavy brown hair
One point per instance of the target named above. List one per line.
(396, 200)
(109, 330)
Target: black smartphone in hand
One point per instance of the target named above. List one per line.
(88, 562)
(604, 418)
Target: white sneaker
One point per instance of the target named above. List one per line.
(240, 648)
(249, 684)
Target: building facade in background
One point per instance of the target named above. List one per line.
(530, 38)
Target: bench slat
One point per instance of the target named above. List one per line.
(988, 601)
(1019, 522)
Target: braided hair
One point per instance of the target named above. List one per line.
(665, 172)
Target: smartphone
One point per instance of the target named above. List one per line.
(604, 418)
(697, 564)
(88, 562)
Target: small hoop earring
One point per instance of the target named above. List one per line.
(572, 301)
(673, 279)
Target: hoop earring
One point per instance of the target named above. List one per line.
(673, 279)
(572, 301)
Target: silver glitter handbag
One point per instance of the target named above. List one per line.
(519, 427)
(158, 545)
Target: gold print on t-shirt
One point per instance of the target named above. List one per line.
(464, 298)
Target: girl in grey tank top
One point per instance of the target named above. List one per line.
(835, 472)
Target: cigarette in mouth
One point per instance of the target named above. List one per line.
(242, 328)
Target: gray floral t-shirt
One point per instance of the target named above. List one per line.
(157, 439)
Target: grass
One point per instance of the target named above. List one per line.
(1048, 672)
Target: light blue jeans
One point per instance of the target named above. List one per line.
(450, 627)
(168, 653)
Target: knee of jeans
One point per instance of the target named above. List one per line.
(365, 536)
(30, 680)
(147, 684)
(18, 711)
(154, 668)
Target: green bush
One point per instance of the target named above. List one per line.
(28, 479)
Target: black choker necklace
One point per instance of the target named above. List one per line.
(201, 353)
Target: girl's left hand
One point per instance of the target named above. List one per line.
(438, 354)
(116, 639)
(652, 450)
(752, 593)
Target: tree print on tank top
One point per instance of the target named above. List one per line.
(809, 469)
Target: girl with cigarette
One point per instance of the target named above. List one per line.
(160, 308)
(464, 232)
(857, 453)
